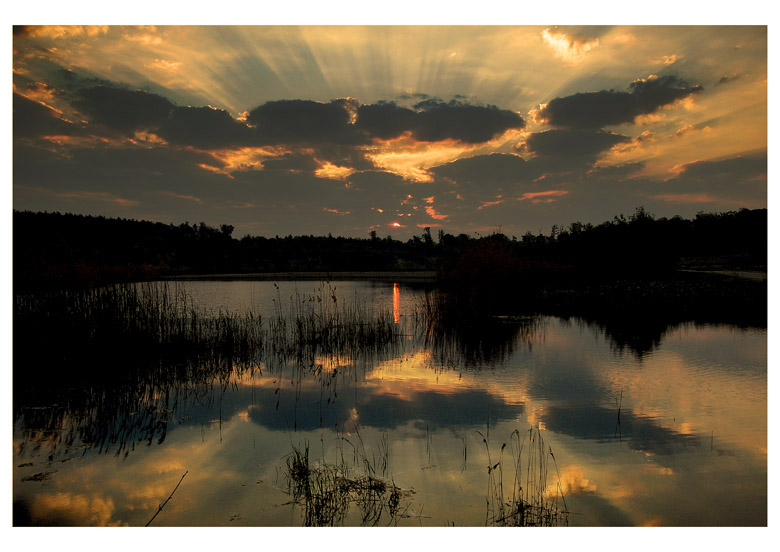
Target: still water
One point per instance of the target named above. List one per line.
(665, 429)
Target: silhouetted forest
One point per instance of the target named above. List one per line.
(53, 249)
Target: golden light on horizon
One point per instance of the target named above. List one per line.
(520, 71)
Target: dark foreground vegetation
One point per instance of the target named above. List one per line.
(105, 368)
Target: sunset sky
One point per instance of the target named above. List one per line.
(346, 129)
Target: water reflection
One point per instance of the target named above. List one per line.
(396, 303)
(691, 402)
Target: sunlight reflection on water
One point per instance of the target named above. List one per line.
(637, 434)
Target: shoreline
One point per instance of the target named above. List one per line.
(421, 276)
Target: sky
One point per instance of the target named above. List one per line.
(281, 130)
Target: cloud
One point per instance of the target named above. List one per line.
(293, 162)
(164, 65)
(377, 409)
(82, 195)
(304, 122)
(547, 196)
(467, 123)
(495, 168)
(33, 119)
(332, 171)
(347, 122)
(728, 78)
(739, 181)
(123, 110)
(59, 31)
(591, 110)
(67, 509)
(666, 60)
(599, 424)
(690, 129)
(572, 143)
(384, 120)
(572, 49)
(205, 127)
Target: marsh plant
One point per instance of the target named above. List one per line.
(108, 367)
(327, 493)
(522, 497)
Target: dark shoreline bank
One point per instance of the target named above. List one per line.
(421, 276)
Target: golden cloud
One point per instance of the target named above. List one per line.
(74, 509)
(410, 158)
(243, 159)
(164, 65)
(490, 203)
(65, 31)
(572, 49)
(546, 197)
(334, 172)
(434, 214)
(335, 211)
(572, 481)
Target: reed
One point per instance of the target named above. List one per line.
(528, 501)
(328, 492)
(112, 364)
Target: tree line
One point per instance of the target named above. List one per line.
(68, 249)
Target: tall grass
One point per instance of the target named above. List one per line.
(525, 499)
(112, 364)
(327, 493)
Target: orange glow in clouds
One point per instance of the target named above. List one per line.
(410, 159)
(434, 213)
(335, 172)
(246, 158)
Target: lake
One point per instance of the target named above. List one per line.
(667, 426)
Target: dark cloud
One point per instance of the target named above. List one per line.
(728, 78)
(33, 119)
(741, 179)
(498, 168)
(123, 110)
(205, 127)
(385, 120)
(291, 162)
(601, 424)
(432, 120)
(332, 128)
(307, 411)
(733, 169)
(304, 122)
(413, 96)
(591, 110)
(572, 143)
(467, 123)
